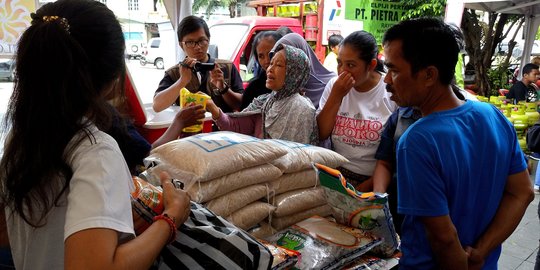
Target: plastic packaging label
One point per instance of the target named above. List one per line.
(189, 99)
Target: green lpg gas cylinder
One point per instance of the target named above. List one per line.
(534, 116)
(531, 107)
(494, 100)
(521, 118)
(510, 119)
(520, 128)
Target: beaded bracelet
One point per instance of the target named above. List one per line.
(172, 226)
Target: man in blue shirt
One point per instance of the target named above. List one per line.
(463, 185)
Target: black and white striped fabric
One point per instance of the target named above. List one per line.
(207, 241)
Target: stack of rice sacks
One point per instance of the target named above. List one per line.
(249, 181)
(296, 194)
(223, 170)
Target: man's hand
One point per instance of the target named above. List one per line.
(518, 193)
(185, 69)
(216, 78)
(475, 259)
(444, 241)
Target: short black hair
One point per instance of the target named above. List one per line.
(191, 24)
(528, 68)
(334, 40)
(428, 42)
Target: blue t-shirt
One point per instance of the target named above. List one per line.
(395, 126)
(455, 163)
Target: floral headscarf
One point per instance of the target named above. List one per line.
(286, 114)
(296, 74)
(318, 75)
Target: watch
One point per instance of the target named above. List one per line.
(219, 92)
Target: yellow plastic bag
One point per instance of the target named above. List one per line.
(188, 99)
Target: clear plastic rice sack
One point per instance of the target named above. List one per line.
(324, 244)
(367, 211)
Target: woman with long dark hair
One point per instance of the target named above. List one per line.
(262, 45)
(65, 185)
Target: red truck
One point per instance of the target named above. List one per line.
(233, 38)
(308, 13)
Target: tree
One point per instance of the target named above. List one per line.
(481, 39)
(422, 8)
(208, 5)
(232, 7)
(499, 76)
(211, 5)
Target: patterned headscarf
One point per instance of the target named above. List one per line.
(296, 74)
(286, 114)
(318, 74)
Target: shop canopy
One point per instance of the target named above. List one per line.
(529, 8)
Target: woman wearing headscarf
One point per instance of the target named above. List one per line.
(283, 114)
(318, 74)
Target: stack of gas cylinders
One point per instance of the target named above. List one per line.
(521, 115)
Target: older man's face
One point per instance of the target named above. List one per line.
(408, 90)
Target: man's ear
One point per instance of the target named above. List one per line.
(431, 75)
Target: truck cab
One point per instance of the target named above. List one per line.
(233, 38)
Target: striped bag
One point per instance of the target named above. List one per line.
(207, 241)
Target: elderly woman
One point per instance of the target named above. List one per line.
(282, 114)
(319, 76)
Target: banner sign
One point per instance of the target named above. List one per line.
(14, 19)
(376, 15)
(334, 21)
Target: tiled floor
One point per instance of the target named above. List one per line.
(519, 250)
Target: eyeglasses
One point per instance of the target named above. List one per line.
(192, 44)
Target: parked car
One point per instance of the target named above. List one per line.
(152, 54)
(7, 69)
(517, 53)
(134, 44)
